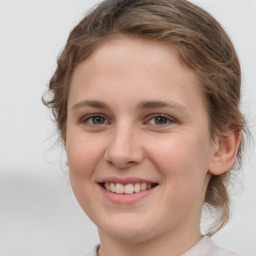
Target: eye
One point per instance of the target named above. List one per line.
(95, 120)
(160, 119)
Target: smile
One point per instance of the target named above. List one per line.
(128, 188)
(126, 191)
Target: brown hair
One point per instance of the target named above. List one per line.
(203, 46)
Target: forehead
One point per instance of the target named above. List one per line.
(142, 67)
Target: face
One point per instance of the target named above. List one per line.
(137, 140)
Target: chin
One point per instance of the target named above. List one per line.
(131, 236)
(130, 232)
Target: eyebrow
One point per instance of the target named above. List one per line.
(161, 104)
(179, 108)
(151, 104)
(90, 103)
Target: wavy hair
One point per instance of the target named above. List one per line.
(203, 46)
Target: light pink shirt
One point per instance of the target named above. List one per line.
(205, 247)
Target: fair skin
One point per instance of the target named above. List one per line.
(136, 115)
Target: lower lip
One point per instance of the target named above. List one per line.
(126, 198)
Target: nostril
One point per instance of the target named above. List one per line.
(131, 162)
(121, 164)
(123, 153)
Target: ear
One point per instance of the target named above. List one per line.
(224, 153)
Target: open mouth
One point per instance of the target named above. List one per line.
(128, 188)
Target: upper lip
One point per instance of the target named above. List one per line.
(125, 181)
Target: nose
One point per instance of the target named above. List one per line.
(124, 149)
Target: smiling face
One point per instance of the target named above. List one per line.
(136, 115)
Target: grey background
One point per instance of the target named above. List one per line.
(38, 212)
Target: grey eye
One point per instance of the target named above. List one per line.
(95, 120)
(161, 120)
(98, 120)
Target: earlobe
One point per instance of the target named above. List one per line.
(225, 152)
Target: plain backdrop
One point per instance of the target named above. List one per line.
(38, 212)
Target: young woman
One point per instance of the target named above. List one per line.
(146, 98)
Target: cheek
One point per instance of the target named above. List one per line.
(183, 159)
(83, 155)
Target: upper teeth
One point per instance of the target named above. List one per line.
(126, 189)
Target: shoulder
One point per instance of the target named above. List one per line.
(93, 252)
(206, 247)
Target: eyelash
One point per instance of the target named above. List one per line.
(168, 119)
(86, 119)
